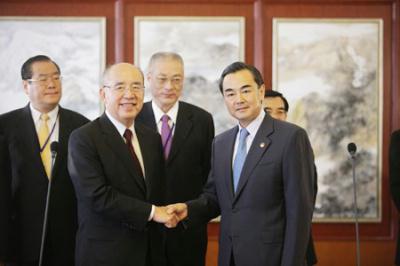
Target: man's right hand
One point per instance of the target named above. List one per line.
(161, 215)
(179, 209)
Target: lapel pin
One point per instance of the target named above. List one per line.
(262, 145)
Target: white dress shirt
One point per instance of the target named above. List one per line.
(52, 122)
(172, 113)
(252, 128)
(135, 142)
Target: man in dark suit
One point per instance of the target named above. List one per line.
(187, 151)
(394, 172)
(276, 105)
(116, 167)
(25, 171)
(261, 181)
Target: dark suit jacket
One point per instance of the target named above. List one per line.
(187, 169)
(24, 189)
(394, 171)
(267, 221)
(311, 256)
(114, 201)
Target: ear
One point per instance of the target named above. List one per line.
(148, 76)
(25, 84)
(102, 94)
(261, 92)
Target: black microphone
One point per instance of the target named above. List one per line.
(352, 148)
(54, 150)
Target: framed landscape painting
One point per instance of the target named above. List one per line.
(330, 71)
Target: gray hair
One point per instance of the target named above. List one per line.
(164, 55)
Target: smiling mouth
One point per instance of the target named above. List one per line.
(128, 104)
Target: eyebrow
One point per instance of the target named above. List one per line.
(241, 88)
(165, 76)
(279, 108)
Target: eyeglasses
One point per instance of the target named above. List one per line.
(44, 80)
(123, 88)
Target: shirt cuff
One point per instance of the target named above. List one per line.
(152, 213)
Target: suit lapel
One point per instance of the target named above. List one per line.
(260, 144)
(26, 133)
(229, 144)
(147, 117)
(183, 126)
(147, 155)
(118, 146)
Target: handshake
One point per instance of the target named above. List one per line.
(170, 215)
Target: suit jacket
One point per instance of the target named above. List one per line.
(114, 201)
(187, 169)
(394, 171)
(311, 256)
(267, 221)
(24, 189)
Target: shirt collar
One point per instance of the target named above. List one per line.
(119, 126)
(36, 114)
(172, 113)
(254, 125)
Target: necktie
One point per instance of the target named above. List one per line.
(240, 157)
(43, 134)
(166, 135)
(128, 137)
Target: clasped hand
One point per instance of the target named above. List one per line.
(170, 215)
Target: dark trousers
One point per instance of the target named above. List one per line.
(232, 263)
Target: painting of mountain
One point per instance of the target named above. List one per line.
(331, 74)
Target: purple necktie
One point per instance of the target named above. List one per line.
(166, 135)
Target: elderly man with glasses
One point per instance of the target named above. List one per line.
(116, 167)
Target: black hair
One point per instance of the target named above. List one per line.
(273, 94)
(238, 66)
(26, 69)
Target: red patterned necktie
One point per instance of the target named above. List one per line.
(128, 136)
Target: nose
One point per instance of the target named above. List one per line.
(239, 97)
(168, 84)
(51, 83)
(128, 93)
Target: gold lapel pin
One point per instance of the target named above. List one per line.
(262, 145)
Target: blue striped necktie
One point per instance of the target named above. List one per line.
(240, 157)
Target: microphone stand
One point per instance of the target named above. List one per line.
(355, 207)
(46, 210)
